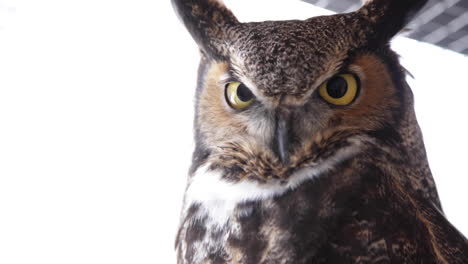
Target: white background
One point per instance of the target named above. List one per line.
(96, 125)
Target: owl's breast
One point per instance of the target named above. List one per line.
(223, 218)
(343, 215)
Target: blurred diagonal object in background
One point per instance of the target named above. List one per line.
(442, 22)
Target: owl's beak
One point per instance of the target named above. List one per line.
(281, 138)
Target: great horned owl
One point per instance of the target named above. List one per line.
(307, 146)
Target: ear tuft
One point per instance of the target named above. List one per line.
(388, 17)
(208, 22)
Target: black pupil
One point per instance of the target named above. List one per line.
(243, 93)
(337, 87)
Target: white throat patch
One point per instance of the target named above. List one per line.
(218, 198)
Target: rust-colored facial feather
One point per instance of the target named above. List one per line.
(240, 141)
(377, 100)
(218, 122)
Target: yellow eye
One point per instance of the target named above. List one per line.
(238, 95)
(340, 90)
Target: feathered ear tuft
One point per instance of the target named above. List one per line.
(388, 17)
(208, 22)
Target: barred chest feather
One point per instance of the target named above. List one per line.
(251, 222)
(348, 214)
(223, 222)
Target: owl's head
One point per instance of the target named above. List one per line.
(276, 96)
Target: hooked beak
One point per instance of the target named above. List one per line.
(281, 138)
